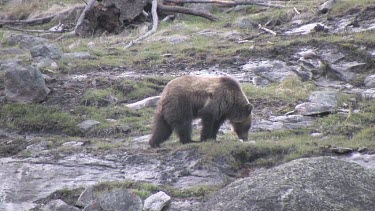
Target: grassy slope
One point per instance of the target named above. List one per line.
(356, 130)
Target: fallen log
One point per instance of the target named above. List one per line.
(27, 22)
(183, 10)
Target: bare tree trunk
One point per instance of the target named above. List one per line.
(189, 11)
(88, 7)
(155, 20)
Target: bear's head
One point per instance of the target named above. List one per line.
(241, 125)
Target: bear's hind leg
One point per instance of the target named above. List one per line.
(160, 132)
(207, 128)
(183, 131)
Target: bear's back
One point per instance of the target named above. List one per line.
(200, 83)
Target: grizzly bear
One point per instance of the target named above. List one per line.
(213, 99)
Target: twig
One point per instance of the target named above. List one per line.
(267, 30)
(295, 10)
(167, 18)
(155, 20)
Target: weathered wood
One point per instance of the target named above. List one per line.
(130, 9)
(88, 7)
(183, 10)
(28, 22)
(155, 20)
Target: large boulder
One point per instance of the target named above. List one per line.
(320, 102)
(322, 183)
(24, 84)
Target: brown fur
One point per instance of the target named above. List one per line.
(213, 99)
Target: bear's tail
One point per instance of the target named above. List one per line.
(160, 132)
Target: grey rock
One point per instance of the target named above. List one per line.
(363, 159)
(157, 201)
(232, 36)
(306, 29)
(145, 103)
(370, 81)
(187, 205)
(321, 102)
(177, 39)
(46, 50)
(245, 23)
(341, 150)
(331, 56)
(329, 98)
(58, 205)
(24, 41)
(283, 123)
(43, 145)
(310, 109)
(120, 200)
(77, 55)
(308, 54)
(368, 94)
(87, 125)
(322, 183)
(24, 84)
(86, 198)
(10, 64)
(273, 71)
(43, 62)
(326, 6)
(347, 71)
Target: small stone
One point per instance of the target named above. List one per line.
(157, 201)
(341, 150)
(87, 125)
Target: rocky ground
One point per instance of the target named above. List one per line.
(75, 140)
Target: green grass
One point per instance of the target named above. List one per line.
(37, 118)
(289, 91)
(344, 5)
(145, 189)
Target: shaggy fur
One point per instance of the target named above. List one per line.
(213, 99)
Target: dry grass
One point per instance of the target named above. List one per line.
(24, 9)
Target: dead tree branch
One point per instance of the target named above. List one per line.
(27, 22)
(33, 31)
(177, 9)
(89, 6)
(226, 2)
(155, 20)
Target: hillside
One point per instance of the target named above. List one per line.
(68, 123)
